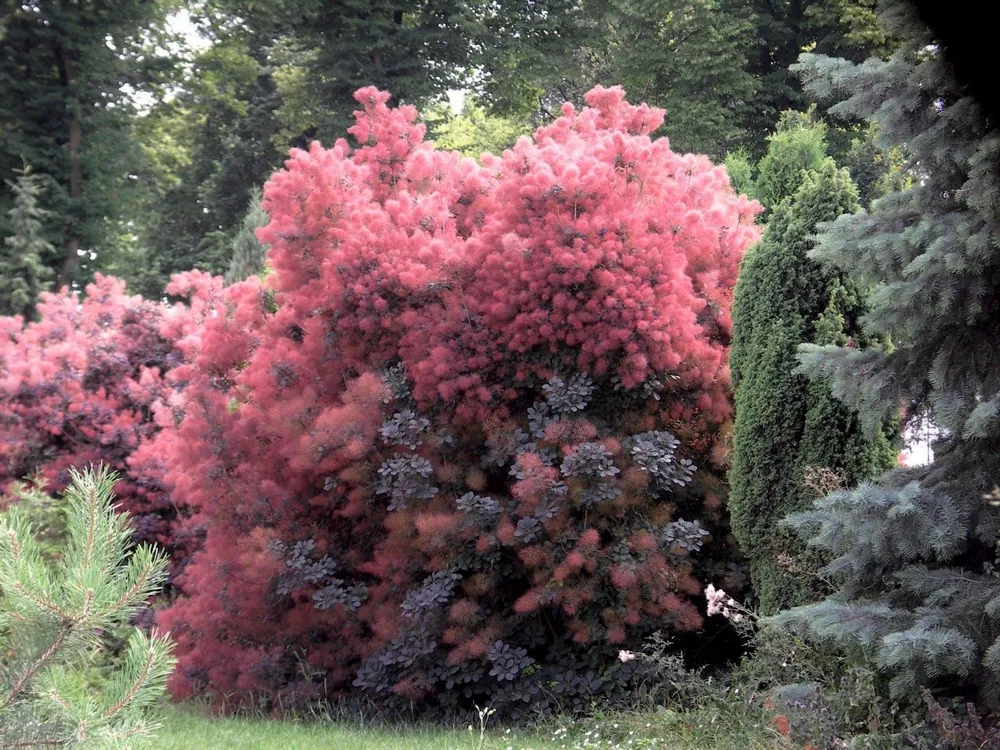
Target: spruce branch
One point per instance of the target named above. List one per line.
(914, 552)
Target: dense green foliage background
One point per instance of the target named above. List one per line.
(150, 123)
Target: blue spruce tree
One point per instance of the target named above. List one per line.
(915, 553)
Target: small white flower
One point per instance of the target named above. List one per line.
(625, 656)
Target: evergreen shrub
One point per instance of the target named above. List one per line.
(53, 615)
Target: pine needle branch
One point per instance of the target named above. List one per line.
(97, 584)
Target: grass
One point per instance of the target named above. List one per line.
(713, 728)
(188, 728)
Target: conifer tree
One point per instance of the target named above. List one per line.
(786, 426)
(797, 144)
(915, 553)
(876, 173)
(51, 620)
(66, 73)
(740, 170)
(781, 30)
(23, 254)
(249, 253)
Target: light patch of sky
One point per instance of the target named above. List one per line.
(918, 439)
(456, 100)
(182, 23)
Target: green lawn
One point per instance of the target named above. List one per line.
(188, 728)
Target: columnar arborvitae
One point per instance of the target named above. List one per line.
(249, 254)
(797, 145)
(785, 425)
(800, 143)
(24, 254)
(52, 617)
(915, 553)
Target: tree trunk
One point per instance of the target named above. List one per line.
(65, 274)
(75, 193)
(397, 19)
